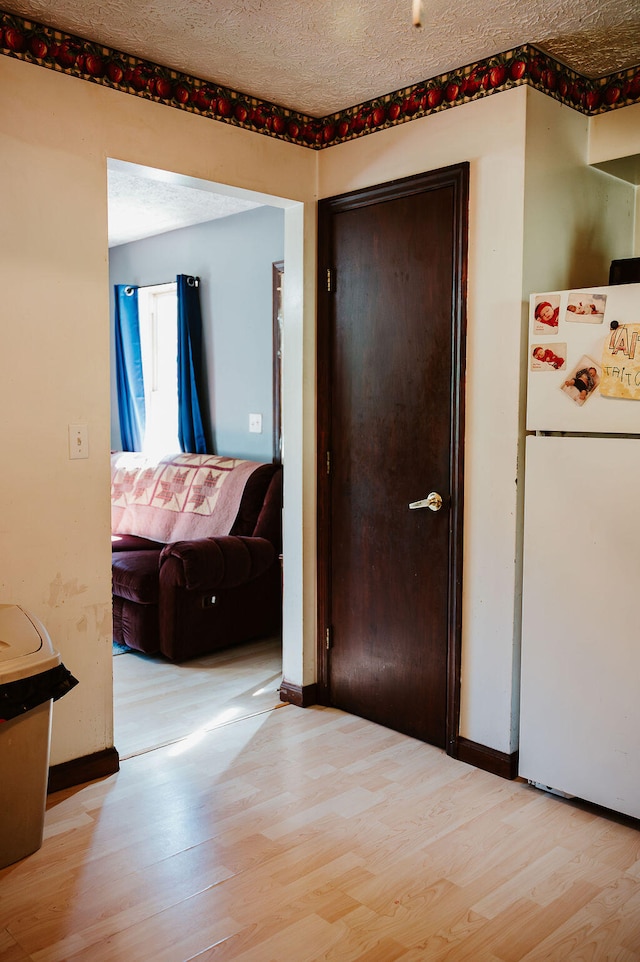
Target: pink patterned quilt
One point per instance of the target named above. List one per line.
(176, 498)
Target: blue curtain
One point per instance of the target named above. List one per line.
(130, 384)
(191, 432)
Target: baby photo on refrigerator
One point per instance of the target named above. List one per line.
(545, 314)
(586, 308)
(583, 380)
(548, 357)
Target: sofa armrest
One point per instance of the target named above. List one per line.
(226, 561)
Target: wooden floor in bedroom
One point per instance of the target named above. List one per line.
(308, 834)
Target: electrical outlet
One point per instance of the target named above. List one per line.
(255, 423)
(78, 441)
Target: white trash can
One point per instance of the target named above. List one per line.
(27, 658)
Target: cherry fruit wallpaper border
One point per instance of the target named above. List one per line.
(50, 48)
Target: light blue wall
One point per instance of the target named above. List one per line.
(233, 257)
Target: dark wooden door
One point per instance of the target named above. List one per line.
(391, 387)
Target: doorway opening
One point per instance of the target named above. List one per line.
(255, 666)
(278, 319)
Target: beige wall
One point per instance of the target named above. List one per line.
(614, 143)
(578, 219)
(55, 136)
(615, 134)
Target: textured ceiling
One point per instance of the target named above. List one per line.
(321, 56)
(143, 203)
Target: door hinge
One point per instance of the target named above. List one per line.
(328, 638)
(330, 280)
(328, 462)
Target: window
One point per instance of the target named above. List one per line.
(158, 311)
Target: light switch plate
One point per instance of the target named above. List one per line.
(78, 441)
(255, 423)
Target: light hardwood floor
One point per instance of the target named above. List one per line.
(196, 696)
(308, 834)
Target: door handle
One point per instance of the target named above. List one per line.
(433, 501)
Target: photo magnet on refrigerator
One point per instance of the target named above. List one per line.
(583, 380)
(585, 307)
(548, 357)
(545, 314)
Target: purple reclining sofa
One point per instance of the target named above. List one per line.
(196, 543)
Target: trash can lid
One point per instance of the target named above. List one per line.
(25, 646)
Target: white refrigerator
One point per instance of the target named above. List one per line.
(580, 680)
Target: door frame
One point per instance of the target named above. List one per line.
(456, 177)
(277, 281)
